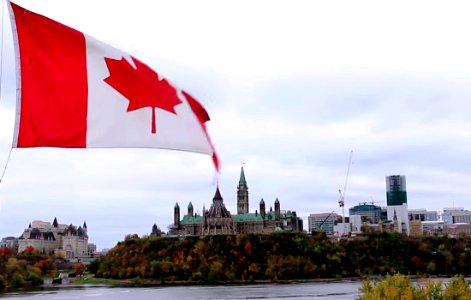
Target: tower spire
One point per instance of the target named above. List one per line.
(242, 194)
(217, 195)
(242, 176)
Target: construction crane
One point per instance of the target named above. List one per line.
(328, 216)
(342, 193)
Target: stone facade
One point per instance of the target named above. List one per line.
(9, 242)
(59, 239)
(218, 220)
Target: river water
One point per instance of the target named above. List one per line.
(297, 291)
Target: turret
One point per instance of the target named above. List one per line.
(55, 224)
(277, 210)
(155, 231)
(176, 216)
(190, 210)
(262, 208)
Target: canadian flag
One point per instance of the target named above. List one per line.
(77, 92)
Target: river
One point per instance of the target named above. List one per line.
(298, 291)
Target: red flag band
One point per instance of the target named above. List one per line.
(78, 92)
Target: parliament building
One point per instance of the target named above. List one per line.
(218, 220)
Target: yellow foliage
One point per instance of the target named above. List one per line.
(400, 287)
(457, 288)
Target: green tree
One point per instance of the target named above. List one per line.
(93, 266)
(17, 280)
(3, 284)
(34, 278)
(215, 271)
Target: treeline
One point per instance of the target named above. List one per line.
(283, 256)
(28, 268)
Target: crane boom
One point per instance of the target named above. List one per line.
(342, 194)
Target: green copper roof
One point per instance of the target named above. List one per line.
(249, 217)
(270, 215)
(187, 220)
(242, 176)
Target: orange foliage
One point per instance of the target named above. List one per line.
(79, 268)
(162, 252)
(179, 258)
(248, 248)
(5, 252)
(30, 250)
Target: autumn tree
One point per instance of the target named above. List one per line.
(79, 269)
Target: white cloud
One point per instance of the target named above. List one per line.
(291, 88)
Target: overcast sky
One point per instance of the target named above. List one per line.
(291, 88)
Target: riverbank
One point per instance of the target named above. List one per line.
(88, 282)
(138, 282)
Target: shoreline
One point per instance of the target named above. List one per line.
(149, 283)
(160, 283)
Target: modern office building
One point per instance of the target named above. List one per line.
(396, 196)
(369, 213)
(422, 214)
(323, 221)
(456, 215)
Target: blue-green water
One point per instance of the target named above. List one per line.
(298, 291)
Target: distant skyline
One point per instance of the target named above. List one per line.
(291, 89)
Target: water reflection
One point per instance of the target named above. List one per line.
(298, 291)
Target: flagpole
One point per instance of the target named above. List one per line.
(1, 49)
(16, 49)
(2, 36)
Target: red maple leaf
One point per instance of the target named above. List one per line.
(141, 86)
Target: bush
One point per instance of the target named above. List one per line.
(399, 287)
(390, 288)
(93, 266)
(457, 288)
(34, 279)
(17, 280)
(3, 284)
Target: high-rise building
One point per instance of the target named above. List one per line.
(396, 196)
(396, 193)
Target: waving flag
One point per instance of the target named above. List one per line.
(77, 92)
